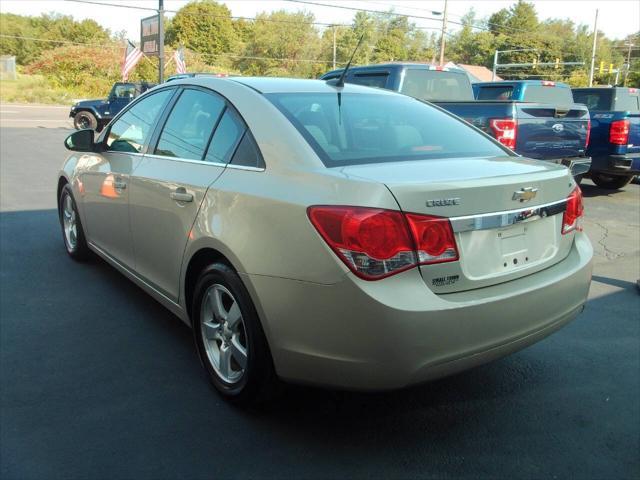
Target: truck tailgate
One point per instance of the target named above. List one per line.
(545, 132)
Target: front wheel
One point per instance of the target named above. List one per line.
(229, 337)
(84, 120)
(72, 231)
(610, 182)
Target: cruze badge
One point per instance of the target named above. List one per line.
(525, 194)
(443, 202)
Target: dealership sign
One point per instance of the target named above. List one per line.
(150, 35)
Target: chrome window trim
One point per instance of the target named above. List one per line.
(202, 162)
(487, 221)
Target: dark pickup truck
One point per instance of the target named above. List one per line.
(96, 114)
(552, 128)
(615, 133)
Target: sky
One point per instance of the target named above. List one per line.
(616, 18)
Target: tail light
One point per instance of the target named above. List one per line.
(586, 145)
(619, 132)
(572, 218)
(505, 131)
(376, 243)
(547, 83)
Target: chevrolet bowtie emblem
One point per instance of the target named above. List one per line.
(525, 194)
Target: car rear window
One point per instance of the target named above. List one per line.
(548, 94)
(378, 80)
(599, 99)
(495, 93)
(352, 128)
(433, 85)
(626, 101)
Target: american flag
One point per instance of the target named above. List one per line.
(132, 56)
(178, 56)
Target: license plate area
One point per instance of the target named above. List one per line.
(513, 246)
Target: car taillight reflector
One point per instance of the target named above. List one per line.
(586, 144)
(505, 130)
(434, 238)
(619, 132)
(375, 243)
(572, 218)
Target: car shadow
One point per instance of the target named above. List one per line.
(591, 190)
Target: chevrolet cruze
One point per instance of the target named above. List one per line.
(332, 235)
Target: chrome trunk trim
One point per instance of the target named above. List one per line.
(487, 221)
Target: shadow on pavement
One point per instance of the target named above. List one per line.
(96, 376)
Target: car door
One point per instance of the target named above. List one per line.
(197, 139)
(105, 180)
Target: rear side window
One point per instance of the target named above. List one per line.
(189, 126)
(548, 94)
(247, 154)
(131, 131)
(432, 85)
(626, 101)
(378, 80)
(595, 100)
(495, 93)
(226, 137)
(371, 128)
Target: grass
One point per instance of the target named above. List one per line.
(34, 89)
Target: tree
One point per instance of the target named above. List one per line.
(205, 27)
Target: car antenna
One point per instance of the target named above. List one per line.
(340, 81)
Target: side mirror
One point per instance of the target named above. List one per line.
(81, 141)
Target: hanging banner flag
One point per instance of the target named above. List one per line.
(132, 56)
(178, 57)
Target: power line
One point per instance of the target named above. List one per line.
(101, 45)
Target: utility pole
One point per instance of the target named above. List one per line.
(161, 41)
(334, 47)
(444, 31)
(626, 72)
(593, 51)
(495, 66)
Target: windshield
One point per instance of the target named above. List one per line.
(352, 128)
(436, 86)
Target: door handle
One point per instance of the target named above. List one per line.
(180, 195)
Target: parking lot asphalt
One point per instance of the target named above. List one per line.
(97, 380)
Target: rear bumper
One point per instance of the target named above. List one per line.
(617, 164)
(396, 332)
(577, 165)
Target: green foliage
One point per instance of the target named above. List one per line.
(49, 29)
(205, 27)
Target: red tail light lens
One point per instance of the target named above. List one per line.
(619, 132)
(376, 243)
(572, 218)
(586, 145)
(505, 130)
(434, 238)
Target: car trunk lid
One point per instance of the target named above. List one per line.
(506, 214)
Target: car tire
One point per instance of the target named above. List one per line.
(610, 182)
(72, 232)
(229, 338)
(83, 120)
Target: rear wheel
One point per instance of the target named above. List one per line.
(84, 120)
(229, 338)
(611, 182)
(72, 231)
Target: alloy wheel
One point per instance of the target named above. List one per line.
(223, 333)
(69, 221)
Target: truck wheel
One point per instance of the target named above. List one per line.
(84, 120)
(610, 182)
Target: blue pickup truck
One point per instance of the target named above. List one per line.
(551, 128)
(96, 114)
(615, 133)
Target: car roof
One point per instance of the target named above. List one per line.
(285, 85)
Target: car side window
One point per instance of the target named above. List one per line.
(247, 154)
(189, 125)
(227, 135)
(370, 79)
(131, 132)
